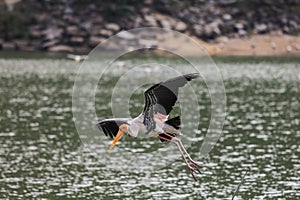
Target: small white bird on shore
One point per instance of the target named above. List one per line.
(77, 58)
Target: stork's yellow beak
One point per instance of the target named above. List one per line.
(117, 138)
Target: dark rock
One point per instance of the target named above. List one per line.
(126, 35)
(105, 33)
(72, 30)
(242, 32)
(165, 24)
(181, 26)
(112, 26)
(60, 23)
(76, 40)
(86, 25)
(239, 26)
(198, 30)
(137, 22)
(48, 44)
(53, 33)
(286, 29)
(82, 49)
(92, 7)
(97, 20)
(61, 48)
(165, 21)
(208, 30)
(95, 29)
(68, 11)
(41, 17)
(261, 28)
(94, 41)
(212, 30)
(71, 19)
(148, 2)
(194, 9)
(20, 44)
(8, 46)
(293, 24)
(36, 44)
(151, 20)
(145, 11)
(227, 17)
(35, 33)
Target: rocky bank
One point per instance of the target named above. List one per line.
(226, 27)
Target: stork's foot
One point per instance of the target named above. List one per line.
(193, 170)
(196, 165)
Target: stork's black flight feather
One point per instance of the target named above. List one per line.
(111, 126)
(161, 97)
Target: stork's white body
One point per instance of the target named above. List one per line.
(136, 126)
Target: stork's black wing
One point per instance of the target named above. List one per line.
(110, 127)
(161, 97)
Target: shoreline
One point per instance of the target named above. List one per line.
(256, 45)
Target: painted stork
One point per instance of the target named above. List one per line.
(153, 121)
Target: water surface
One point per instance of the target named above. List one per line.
(41, 155)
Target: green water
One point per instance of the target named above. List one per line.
(41, 155)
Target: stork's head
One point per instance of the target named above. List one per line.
(123, 129)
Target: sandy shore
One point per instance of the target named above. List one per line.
(256, 45)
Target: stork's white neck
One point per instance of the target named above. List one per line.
(136, 126)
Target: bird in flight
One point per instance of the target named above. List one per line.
(153, 121)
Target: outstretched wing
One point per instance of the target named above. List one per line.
(110, 127)
(161, 97)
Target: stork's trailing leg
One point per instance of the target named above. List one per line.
(188, 155)
(183, 154)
